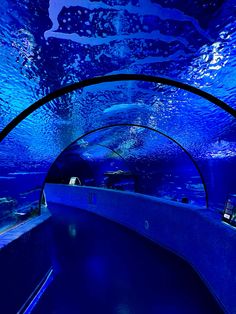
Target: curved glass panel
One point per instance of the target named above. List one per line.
(86, 162)
(202, 128)
(51, 43)
(156, 165)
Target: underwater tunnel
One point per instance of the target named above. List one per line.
(118, 157)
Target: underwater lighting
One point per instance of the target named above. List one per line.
(229, 214)
(74, 181)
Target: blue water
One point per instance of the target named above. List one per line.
(50, 44)
(19, 192)
(102, 267)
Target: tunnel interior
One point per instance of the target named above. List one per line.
(129, 96)
(185, 137)
(51, 44)
(131, 158)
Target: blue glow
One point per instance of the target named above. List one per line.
(54, 43)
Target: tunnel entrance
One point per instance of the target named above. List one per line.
(119, 157)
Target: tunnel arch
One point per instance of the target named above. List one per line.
(230, 112)
(89, 169)
(113, 78)
(101, 145)
(140, 126)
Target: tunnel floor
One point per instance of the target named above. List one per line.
(106, 268)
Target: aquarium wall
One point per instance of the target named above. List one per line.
(175, 142)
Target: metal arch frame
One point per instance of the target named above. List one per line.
(115, 152)
(113, 78)
(112, 150)
(141, 126)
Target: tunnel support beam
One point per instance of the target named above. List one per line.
(113, 78)
(153, 130)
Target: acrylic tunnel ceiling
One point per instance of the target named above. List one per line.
(132, 158)
(46, 45)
